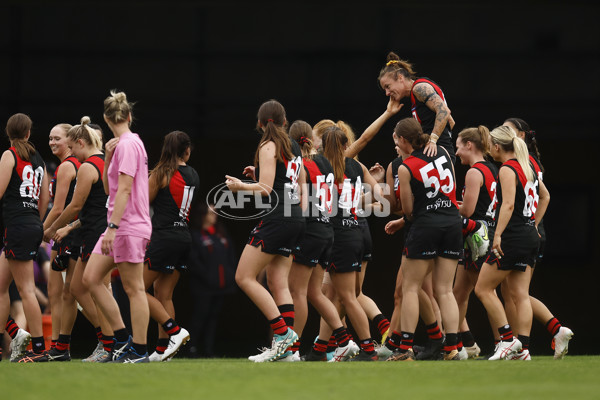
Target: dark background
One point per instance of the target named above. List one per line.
(205, 68)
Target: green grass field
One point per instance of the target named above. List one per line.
(575, 377)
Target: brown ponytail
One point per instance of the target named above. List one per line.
(334, 140)
(412, 132)
(17, 128)
(301, 132)
(271, 116)
(174, 147)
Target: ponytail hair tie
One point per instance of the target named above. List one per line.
(303, 140)
(270, 120)
(391, 62)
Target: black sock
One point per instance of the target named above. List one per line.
(506, 333)
(407, 341)
(108, 342)
(467, 339)
(11, 327)
(524, 341)
(63, 342)
(140, 349)
(320, 347)
(161, 345)
(121, 335)
(341, 336)
(394, 341)
(451, 340)
(383, 324)
(171, 327)
(287, 312)
(37, 344)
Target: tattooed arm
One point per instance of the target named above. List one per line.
(425, 93)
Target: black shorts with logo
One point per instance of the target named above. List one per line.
(520, 250)
(89, 238)
(315, 246)
(68, 249)
(426, 242)
(277, 236)
(363, 224)
(347, 251)
(167, 253)
(22, 241)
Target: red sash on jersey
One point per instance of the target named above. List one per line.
(413, 99)
(488, 177)
(97, 162)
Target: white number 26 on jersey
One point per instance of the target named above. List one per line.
(433, 181)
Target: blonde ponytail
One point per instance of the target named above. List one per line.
(507, 138)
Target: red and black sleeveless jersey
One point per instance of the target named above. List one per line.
(319, 181)
(347, 196)
(20, 201)
(537, 166)
(285, 193)
(485, 209)
(73, 160)
(434, 188)
(93, 213)
(426, 116)
(172, 203)
(396, 163)
(526, 198)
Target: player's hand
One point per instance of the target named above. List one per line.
(394, 106)
(233, 184)
(430, 149)
(496, 249)
(61, 233)
(377, 172)
(249, 172)
(394, 226)
(49, 234)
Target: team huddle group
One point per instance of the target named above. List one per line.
(493, 233)
(101, 218)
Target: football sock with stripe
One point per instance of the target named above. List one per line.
(171, 327)
(161, 345)
(278, 326)
(11, 327)
(287, 312)
(552, 326)
(506, 333)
